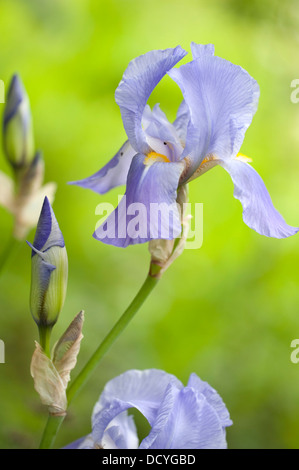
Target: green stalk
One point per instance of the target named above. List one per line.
(54, 422)
(44, 338)
(51, 430)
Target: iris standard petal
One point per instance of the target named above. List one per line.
(186, 422)
(121, 433)
(86, 442)
(182, 120)
(143, 390)
(148, 209)
(164, 411)
(222, 99)
(199, 50)
(189, 417)
(258, 210)
(113, 174)
(213, 398)
(156, 125)
(140, 78)
(161, 135)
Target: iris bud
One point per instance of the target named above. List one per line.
(49, 271)
(18, 138)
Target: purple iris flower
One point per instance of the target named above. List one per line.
(219, 101)
(191, 417)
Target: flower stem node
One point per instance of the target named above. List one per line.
(51, 375)
(49, 272)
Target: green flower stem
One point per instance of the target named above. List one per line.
(12, 244)
(118, 328)
(54, 422)
(44, 338)
(51, 430)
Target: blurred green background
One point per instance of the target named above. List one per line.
(227, 311)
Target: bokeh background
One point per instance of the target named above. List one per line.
(227, 311)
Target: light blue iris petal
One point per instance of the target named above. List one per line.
(121, 433)
(161, 135)
(181, 418)
(148, 210)
(143, 390)
(212, 397)
(162, 418)
(258, 210)
(140, 78)
(186, 421)
(199, 50)
(222, 99)
(158, 127)
(86, 442)
(182, 120)
(113, 174)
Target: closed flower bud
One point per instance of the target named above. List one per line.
(18, 139)
(49, 271)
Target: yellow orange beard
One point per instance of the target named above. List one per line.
(243, 158)
(239, 156)
(153, 157)
(211, 160)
